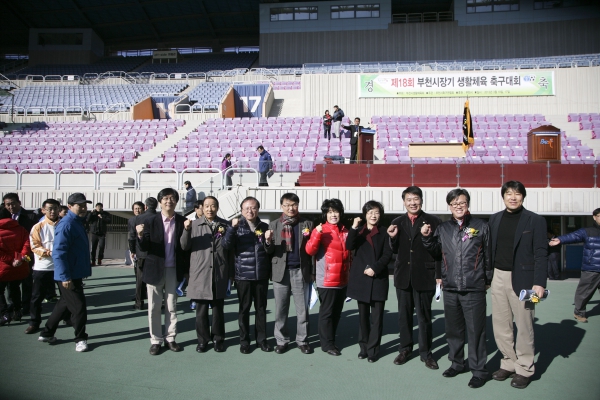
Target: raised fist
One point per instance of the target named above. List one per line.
(319, 228)
(139, 229)
(235, 222)
(187, 224)
(269, 235)
(392, 230)
(356, 222)
(426, 230)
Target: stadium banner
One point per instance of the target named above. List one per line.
(458, 84)
(164, 54)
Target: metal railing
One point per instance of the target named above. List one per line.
(156, 170)
(210, 179)
(106, 170)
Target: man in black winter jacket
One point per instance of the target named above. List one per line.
(247, 238)
(464, 245)
(98, 221)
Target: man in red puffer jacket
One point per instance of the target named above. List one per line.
(14, 266)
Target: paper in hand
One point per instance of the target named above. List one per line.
(438, 292)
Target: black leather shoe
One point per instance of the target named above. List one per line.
(502, 375)
(219, 347)
(430, 363)
(305, 349)
(450, 373)
(281, 348)
(476, 383)
(373, 359)
(264, 346)
(155, 349)
(403, 357)
(334, 352)
(31, 329)
(519, 381)
(362, 356)
(173, 346)
(244, 349)
(201, 348)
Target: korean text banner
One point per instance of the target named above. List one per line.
(458, 84)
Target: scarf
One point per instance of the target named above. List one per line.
(288, 229)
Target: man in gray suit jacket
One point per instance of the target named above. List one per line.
(520, 260)
(291, 273)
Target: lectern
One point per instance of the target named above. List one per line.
(543, 144)
(365, 146)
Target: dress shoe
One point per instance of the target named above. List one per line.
(372, 359)
(138, 307)
(201, 348)
(93, 263)
(476, 382)
(580, 318)
(502, 375)
(430, 363)
(520, 381)
(305, 349)
(155, 349)
(99, 262)
(334, 352)
(362, 355)
(31, 329)
(281, 348)
(219, 347)
(173, 346)
(244, 349)
(264, 346)
(403, 357)
(451, 373)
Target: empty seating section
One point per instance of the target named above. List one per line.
(106, 64)
(295, 144)
(286, 85)
(587, 122)
(78, 145)
(203, 63)
(500, 138)
(86, 96)
(207, 96)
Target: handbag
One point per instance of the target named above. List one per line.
(270, 173)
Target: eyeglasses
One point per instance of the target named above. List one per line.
(373, 212)
(250, 209)
(293, 205)
(461, 204)
(168, 198)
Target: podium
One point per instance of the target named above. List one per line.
(365, 146)
(543, 145)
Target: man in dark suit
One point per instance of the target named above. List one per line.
(27, 220)
(291, 273)
(415, 276)
(165, 265)
(520, 260)
(355, 131)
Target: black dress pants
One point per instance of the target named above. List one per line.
(206, 331)
(141, 290)
(370, 327)
(249, 292)
(72, 301)
(14, 293)
(42, 281)
(353, 153)
(327, 131)
(98, 242)
(330, 312)
(410, 301)
(466, 311)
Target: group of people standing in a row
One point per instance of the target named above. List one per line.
(465, 256)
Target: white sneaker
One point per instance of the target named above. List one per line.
(47, 339)
(81, 346)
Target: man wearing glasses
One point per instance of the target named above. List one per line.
(247, 238)
(165, 265)
(464, 245)
(41, 239)
(291, 272)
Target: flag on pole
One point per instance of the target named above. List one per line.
(468, 139)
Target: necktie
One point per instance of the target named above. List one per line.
(14, 216)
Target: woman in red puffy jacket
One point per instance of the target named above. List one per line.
(328, 242)
(14, 265)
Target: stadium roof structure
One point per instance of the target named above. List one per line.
(139, 24)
